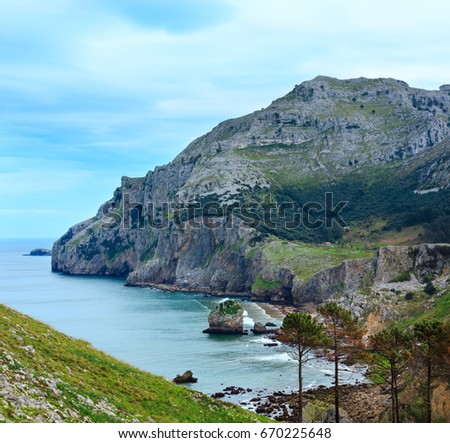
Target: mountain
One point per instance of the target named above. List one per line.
(47, 376)
(263, 203)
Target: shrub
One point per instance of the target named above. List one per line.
(409, 296)
(429, 288)
(404, 276)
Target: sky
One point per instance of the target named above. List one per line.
(91, 90)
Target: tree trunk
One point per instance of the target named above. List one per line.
(397, 406)
(300, 391)
(336, 383)
(429, 390)
(393, 398)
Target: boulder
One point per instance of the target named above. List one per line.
(259, 328)
(187, 377)
(330, 417)
(227, 318)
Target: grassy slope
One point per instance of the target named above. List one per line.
(424, 307)
(307, 259)
(83, 374)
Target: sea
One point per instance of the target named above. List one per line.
(156, 331)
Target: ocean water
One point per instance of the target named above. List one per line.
(157, 331)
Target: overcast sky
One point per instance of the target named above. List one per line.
(91, 90)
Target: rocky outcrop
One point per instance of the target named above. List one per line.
(186, 377)
(350, 276)
(259, 328)
(425, 260)
(40, 252)
(202, 259)
(412, 263)
(226, 318)
(360, 403)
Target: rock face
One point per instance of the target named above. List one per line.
(386, 266)
(226, 318)
(201, 222)
(349, 276)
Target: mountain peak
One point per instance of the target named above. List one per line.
(378, 148)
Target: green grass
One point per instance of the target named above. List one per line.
(75, 242)
(305, 260)
(82, 372)
(439, 310)
(404, 276)
(261, 284)
(381, 108)
(230, 307)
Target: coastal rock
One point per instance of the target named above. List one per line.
(226, 318)
(259, 328)
(330, 417)
(186, 377)
(41, 252)
(235, 390)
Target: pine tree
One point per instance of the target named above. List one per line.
(302, 333)
(344, 335)
(433, 341)
(394, 347)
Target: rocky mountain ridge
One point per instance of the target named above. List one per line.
(377, 144)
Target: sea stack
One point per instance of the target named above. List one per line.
(226, 318)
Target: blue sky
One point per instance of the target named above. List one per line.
(91, 90)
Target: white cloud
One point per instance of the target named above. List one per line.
(81, 82)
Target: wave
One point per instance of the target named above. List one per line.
(284, 357)
(262, 340)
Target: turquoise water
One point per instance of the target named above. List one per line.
(156, 331)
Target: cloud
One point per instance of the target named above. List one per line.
(93, 90)
(176, 16)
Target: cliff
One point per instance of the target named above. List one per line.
(328, 155)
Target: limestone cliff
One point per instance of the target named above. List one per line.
(390, 264)
(204, 222)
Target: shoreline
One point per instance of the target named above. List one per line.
(360, 403)
(184, 289)
(165, 287)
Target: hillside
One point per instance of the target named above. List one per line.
(338, 161)
(46, 376)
